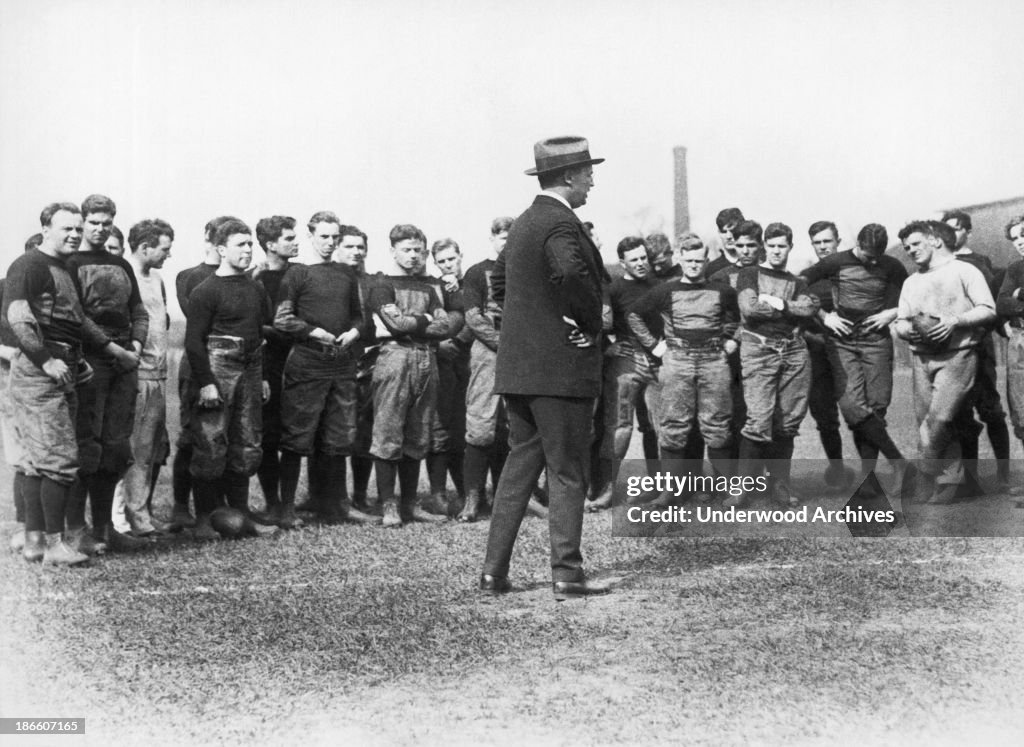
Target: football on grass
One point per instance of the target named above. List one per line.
(229, 523)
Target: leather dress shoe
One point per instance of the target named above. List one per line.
(494, 584)
(575, 589)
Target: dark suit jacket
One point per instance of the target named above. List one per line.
(549, 269)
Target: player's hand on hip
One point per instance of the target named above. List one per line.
(836, 324)
(58, 370)
(581, 339)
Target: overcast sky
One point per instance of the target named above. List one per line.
(426, 112)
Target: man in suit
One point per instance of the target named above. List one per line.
(548, 281)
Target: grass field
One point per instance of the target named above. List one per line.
(359, 635)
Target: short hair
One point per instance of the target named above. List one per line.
(963, 220)
(269, 230)
(658, 244)
(728, 218)
(934, 228)
(873, 238)
(915, 226)
(628, 244)
(778, 230)
(227, 229)
(322, 216)
(550, 179)
(749, 228)
(822, 225)
(1014, 222)
(117, 234)
(46, 217)
(148, 232)
(690, 242)
(33, 242)
(499, 225)
(441, 244)
(98, 204)
(213, 224)
(353, 231)
(404, 232)
(945, 233)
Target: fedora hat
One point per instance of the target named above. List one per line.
(557, 153)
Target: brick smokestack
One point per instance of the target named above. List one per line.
(682, 195)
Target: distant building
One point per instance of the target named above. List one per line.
(988, 220)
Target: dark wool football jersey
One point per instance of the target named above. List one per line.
(228, 306)
(858, 290)
(324, 295)
(41, 304)
(110, 294)
(410, 308)
(696, 313)
(759, 316)
(187, 280)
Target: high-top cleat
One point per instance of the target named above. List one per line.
(392, 518)
(81, 540)
(353, 515)
(181, 516)
(164, 529)
(286, 516)
(270, 517)
(603, 501)
(119, 542)
(309, 506)
(18, 539)
(471, 510)
(437, 503)
(35, 547)
(203, 530)
(419, 513)
(360, 500)
(58, 553)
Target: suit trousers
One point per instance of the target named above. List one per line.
(552, 432)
